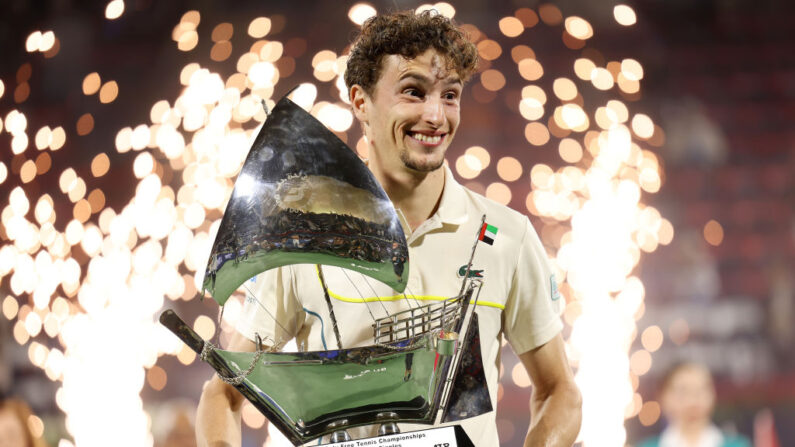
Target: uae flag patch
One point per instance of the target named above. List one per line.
(488, 233)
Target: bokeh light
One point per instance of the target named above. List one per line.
(443, 8)
(570, 150)
(511, 26)
(33, 41)
(108, 92)
(3, 172)
(649, 413)
(624, 15)
(259, 27)
(489, 49)
(713, 232)
(499, 192)
(579, 27)
(492, 80)
(85, 124)
(537, 134)
(222, 32)
(100, 165)
(652, 338)
(91, 83)
(643, 126)
(361, 12)
(527, 16)
(565, 89)
(520, 52)
(550, 14)
(114, 9)
(602, 79)
(530, 69)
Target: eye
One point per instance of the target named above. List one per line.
(451, 95)
(412, 91)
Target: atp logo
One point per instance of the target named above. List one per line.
(472, 272)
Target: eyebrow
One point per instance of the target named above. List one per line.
(425, 79)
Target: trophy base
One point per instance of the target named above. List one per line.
(450, 436)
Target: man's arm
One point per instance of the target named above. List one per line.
(218, 415)
(556, 402)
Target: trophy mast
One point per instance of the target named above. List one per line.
(330, 307)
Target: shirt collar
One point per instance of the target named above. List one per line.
(452, 206)
(710, 437)
(451, 210)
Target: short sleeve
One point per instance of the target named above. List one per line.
(271, 308)
(532, 311)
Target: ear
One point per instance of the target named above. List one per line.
(359, 103)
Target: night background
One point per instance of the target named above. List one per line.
(651, 144)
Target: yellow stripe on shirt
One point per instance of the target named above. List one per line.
(400, 297)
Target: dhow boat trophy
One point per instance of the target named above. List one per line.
(304, 197)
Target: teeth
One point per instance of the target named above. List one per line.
(427, 138)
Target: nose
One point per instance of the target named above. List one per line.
(433, 111)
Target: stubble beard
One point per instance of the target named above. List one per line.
(419, 166)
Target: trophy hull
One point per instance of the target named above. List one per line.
(310, 392)
(307, 395)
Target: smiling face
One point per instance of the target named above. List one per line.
(412, 114)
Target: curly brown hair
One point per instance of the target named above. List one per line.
(407, 34)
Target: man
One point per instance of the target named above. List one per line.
(405, 75)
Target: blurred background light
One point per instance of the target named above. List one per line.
(361, 12)
(624, 15)
(114, 9)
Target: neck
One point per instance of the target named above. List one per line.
(416, 194)
(692, 431)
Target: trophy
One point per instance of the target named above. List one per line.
(304, 197)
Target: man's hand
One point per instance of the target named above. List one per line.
(218, 415)
(556, 402)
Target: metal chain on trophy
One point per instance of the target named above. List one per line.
(237, 379)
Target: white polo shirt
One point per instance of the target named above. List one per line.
(519, 297)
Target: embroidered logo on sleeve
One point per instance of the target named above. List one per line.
(553, 287)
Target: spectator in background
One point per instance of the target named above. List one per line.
(688, 397)
(14, 428)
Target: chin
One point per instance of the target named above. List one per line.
(422, 165)
(428, 162)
